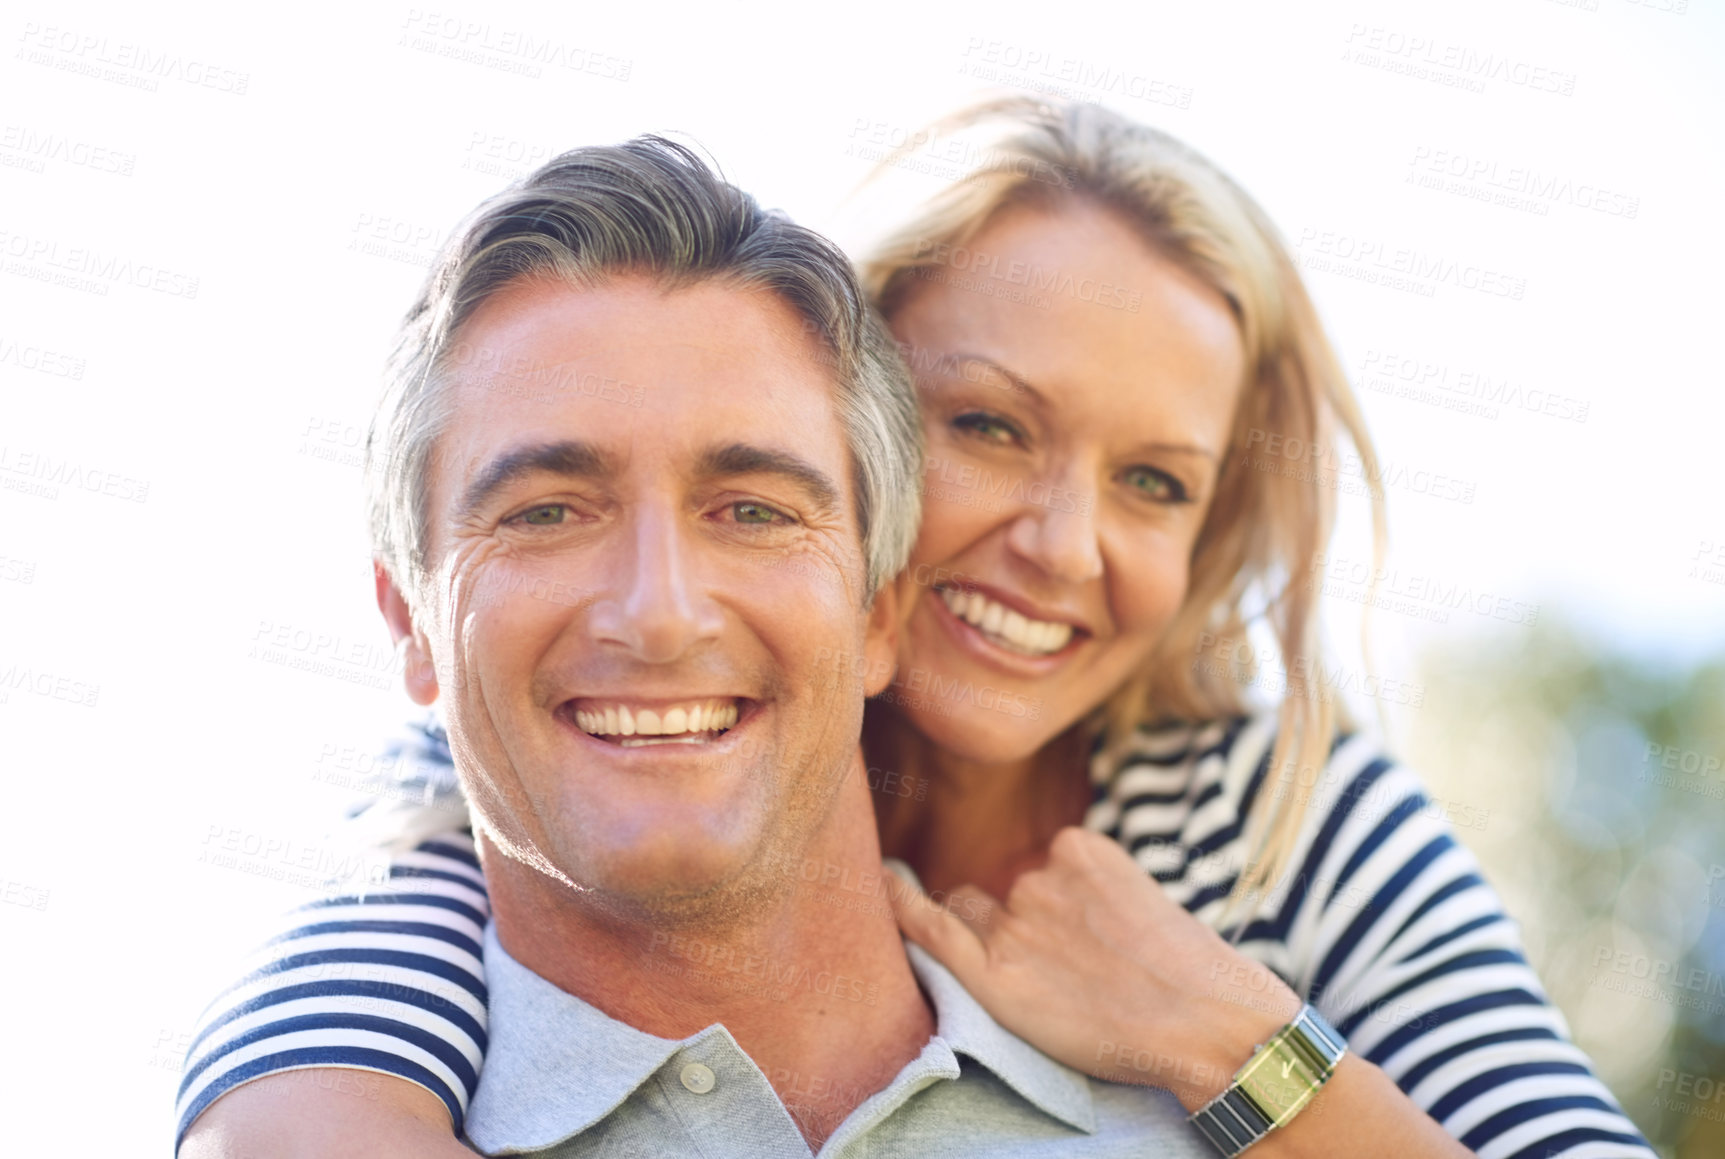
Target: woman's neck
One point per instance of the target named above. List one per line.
(958, 821)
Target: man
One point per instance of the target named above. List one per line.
(630, 385)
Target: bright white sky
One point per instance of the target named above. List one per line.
(241, 408)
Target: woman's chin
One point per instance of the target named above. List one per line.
(982, 735)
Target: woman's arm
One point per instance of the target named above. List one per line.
(1089, 961)
(324, 1113)
(1385, 924)
(387, 988)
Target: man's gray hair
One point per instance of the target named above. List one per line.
(649, 206)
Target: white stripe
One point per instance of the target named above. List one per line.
(1479, 1024)
(1457, 1071)
(1368, 957)
(1209, 819)
(1452, 913)
(1406, 1009)
(1166, 743)
(1153, 820)
(1375, 986)
(1307, 936)
(424, 1015)
(1149, 779)
(467, 891)
(430, 915)
(1526, 1134)
(324, 1038)
(443, 863)
(1159, 857)
(1103, 815)
(387, 976)
(1514, 1093)
(376, 940)
(1533, 1132)
(271, 955)
(1215, 869)
(1253, 743)
(395, 904)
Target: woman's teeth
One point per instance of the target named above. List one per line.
(684, 724)
(1006, 627)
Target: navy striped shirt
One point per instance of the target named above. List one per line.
(1383, 922)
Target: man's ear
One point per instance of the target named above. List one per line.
(880, 639)
(418, 673)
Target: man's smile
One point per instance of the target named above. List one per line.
(633, 723)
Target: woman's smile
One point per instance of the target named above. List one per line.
(1027, 635)
(989, 624)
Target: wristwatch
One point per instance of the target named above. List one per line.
(1280, 1078)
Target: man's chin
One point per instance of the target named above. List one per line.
(672, 878)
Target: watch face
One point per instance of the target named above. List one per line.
(1280, 1082)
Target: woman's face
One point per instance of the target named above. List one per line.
(1078, 392)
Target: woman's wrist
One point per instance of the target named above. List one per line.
(1247, 1006)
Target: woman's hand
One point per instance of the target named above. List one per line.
(1090, 962)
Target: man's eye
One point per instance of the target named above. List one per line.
(990, 428)
(548, 515)
(755, 513)
(1154, 484)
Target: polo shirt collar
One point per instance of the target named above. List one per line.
(555, 1065)
(1052, 1087)
(542, 1037)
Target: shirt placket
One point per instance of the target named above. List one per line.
(726, 1105)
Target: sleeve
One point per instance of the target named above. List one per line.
(1392, 932)
(389, 980)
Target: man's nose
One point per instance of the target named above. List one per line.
(656, 607)
(1058, 533)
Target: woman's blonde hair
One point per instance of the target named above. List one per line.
(1267, 528)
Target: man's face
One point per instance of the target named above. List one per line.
(645, 604)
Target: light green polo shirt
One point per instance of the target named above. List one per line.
(561, 1079)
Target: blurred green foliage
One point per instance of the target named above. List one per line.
(1601, 778)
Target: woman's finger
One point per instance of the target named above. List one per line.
(953, 941)
(975, 907)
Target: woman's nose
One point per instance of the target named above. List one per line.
(1058, 534)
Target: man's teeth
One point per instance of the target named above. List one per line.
(1005, 626)
(688, 722)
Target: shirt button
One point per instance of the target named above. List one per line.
(699, 1079)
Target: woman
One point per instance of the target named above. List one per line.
(1101, 326)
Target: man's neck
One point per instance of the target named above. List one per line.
(814, 985)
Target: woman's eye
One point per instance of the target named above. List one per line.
(1157, 485)
(547, 515)
(755, 513)
(991, 428)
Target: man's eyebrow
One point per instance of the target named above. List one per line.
(745, 459)
(570, 458)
